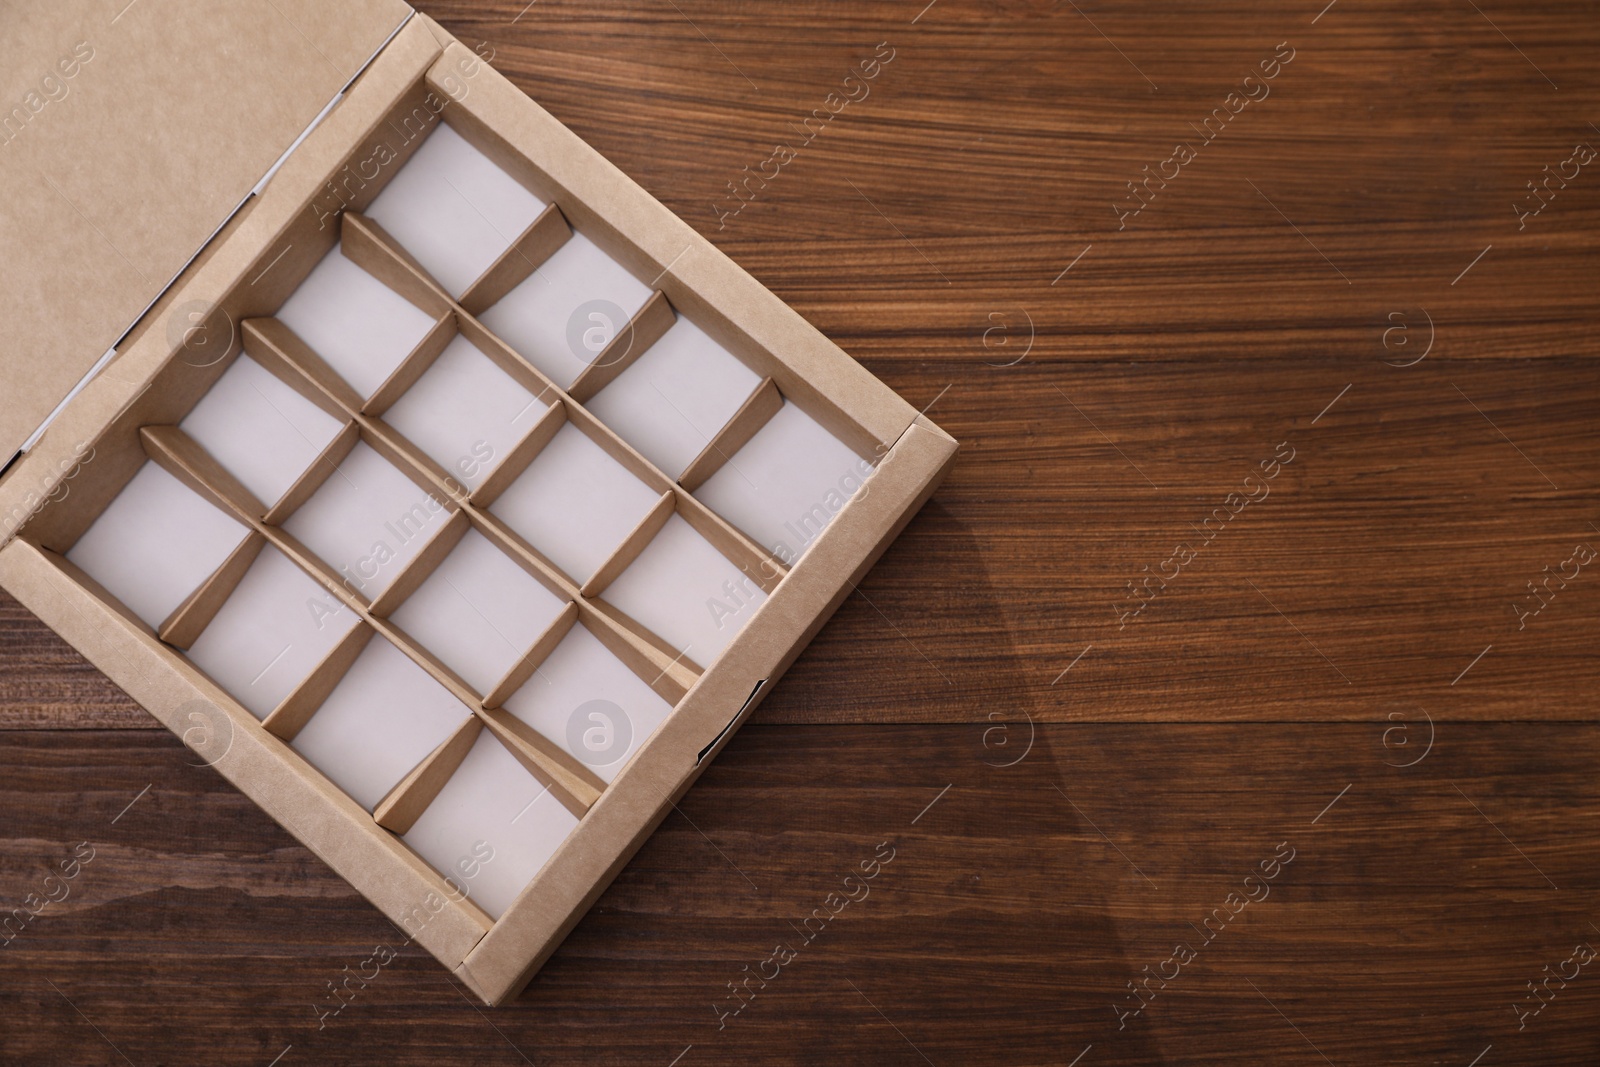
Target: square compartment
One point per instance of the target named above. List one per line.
(262, 431)
(368, 520)
(383, 718)
(589, 703)
(156, 543)
(491, 806)
(271, 633)
(479, 612)
(564, 314)
(454, 209)
(675, 397)
(359, 326)
(575, 504)
(465, 412)
(786, 484)
(686, 592)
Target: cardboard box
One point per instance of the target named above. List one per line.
(448, 494)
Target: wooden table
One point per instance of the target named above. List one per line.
(1235, 568)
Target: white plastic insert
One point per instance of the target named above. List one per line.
(687, 592)
(565, 313)
(492, 826)
(368, 520)
(271, 633)
(575, 503)
(786, 484)
(465, 412)
(479, 612)
(588, 702)
(359, 326)
(454, 209)
(381, 720)
(260, 429)
(155, 543)
(675, 397)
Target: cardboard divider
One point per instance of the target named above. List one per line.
(176, 453)
(531, 378)
(524, 668)
(647, 654)
(184, 625)
(321, 469)
(276, 347)
(755, 413)
(370, 247)
(384, 440)
(171, 445)
(617, 448)
(526, 450)
(297, 359)
(579, 787)
(423, 565)
(664, 672)
(529, 560)
(632, 545)
(762, 566)
(287, 719)
(414, 366)
(260, 427)
(535, 245)
(643, 330)
(406, 802)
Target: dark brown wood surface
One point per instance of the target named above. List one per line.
(1350, 672)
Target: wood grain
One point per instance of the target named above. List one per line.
(1112, 383)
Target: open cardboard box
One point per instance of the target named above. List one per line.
(457, 501)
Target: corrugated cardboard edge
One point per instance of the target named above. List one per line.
(640, 798)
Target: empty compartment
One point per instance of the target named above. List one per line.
(786, 484)
(156, 543)
(465, 412)
(454, 209)
(587, 701)
(686, 592)
(278, 625)
(575, 503)
(260, 429)
(494, 820)
(675, 397)
(382, 719)
(479, 612)
(359, 326)
(565, 314)
(368, 520)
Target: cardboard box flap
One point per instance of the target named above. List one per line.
(129, 133)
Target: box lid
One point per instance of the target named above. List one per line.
(129, 133)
